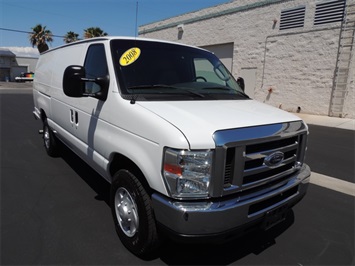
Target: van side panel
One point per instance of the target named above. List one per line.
(42, 83)
(61, 104)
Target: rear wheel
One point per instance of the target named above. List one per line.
(133, 214)
(50, 141)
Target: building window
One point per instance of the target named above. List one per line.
(329, 12)
(292, 18)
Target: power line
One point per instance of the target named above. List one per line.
(28, 32)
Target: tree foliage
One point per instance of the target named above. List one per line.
(71, 37)
(94, 32)
(40, 37)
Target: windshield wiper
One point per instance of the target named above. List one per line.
(227, 89)
(244, 94)
(144, 87)
(155, 86)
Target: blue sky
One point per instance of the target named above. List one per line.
(116, 17)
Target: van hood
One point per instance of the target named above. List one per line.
(199, 120)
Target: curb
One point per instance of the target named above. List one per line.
(335, 122)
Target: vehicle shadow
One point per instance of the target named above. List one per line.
(89, 175)
(256, 242)
(176, 253)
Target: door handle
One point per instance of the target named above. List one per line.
(74, 117)
(71, 116)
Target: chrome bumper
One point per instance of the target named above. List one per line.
(214, 217)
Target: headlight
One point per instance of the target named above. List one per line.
(187, 173)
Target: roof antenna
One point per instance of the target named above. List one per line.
(136, 29)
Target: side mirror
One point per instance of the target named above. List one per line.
(73, 84)
(104, 83)
(241, 83)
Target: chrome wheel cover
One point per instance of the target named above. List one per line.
(46, 137)
(126, 212)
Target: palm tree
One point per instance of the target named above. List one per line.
(94, 32)
(71, 37)
(40, 37)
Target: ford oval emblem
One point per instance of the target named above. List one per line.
(274, 159)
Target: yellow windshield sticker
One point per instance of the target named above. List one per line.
(130, 56)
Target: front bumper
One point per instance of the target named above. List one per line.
(216, 217)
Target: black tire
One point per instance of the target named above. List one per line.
(51, 143)
(135, 223)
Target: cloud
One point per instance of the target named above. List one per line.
(23, 51)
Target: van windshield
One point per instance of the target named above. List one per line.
(149, 71)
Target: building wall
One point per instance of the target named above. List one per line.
(294, 68)
(23, 64)
(30, 62)
(15, 60)
(5, 67)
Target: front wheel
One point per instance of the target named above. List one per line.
(50, 141)
(133, 214)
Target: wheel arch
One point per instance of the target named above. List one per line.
(43, 115)
(120, 161)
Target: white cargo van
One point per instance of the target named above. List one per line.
(186, 151)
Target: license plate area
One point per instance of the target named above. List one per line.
(274, 217)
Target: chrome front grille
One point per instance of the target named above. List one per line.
(254, 155)
(266, 160)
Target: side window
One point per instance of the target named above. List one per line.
(95, 66)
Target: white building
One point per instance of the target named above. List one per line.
(296, 55)
(17, 60)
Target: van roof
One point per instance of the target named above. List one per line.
(109, 38)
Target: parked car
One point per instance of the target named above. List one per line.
(27, 76)
(187, 152)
